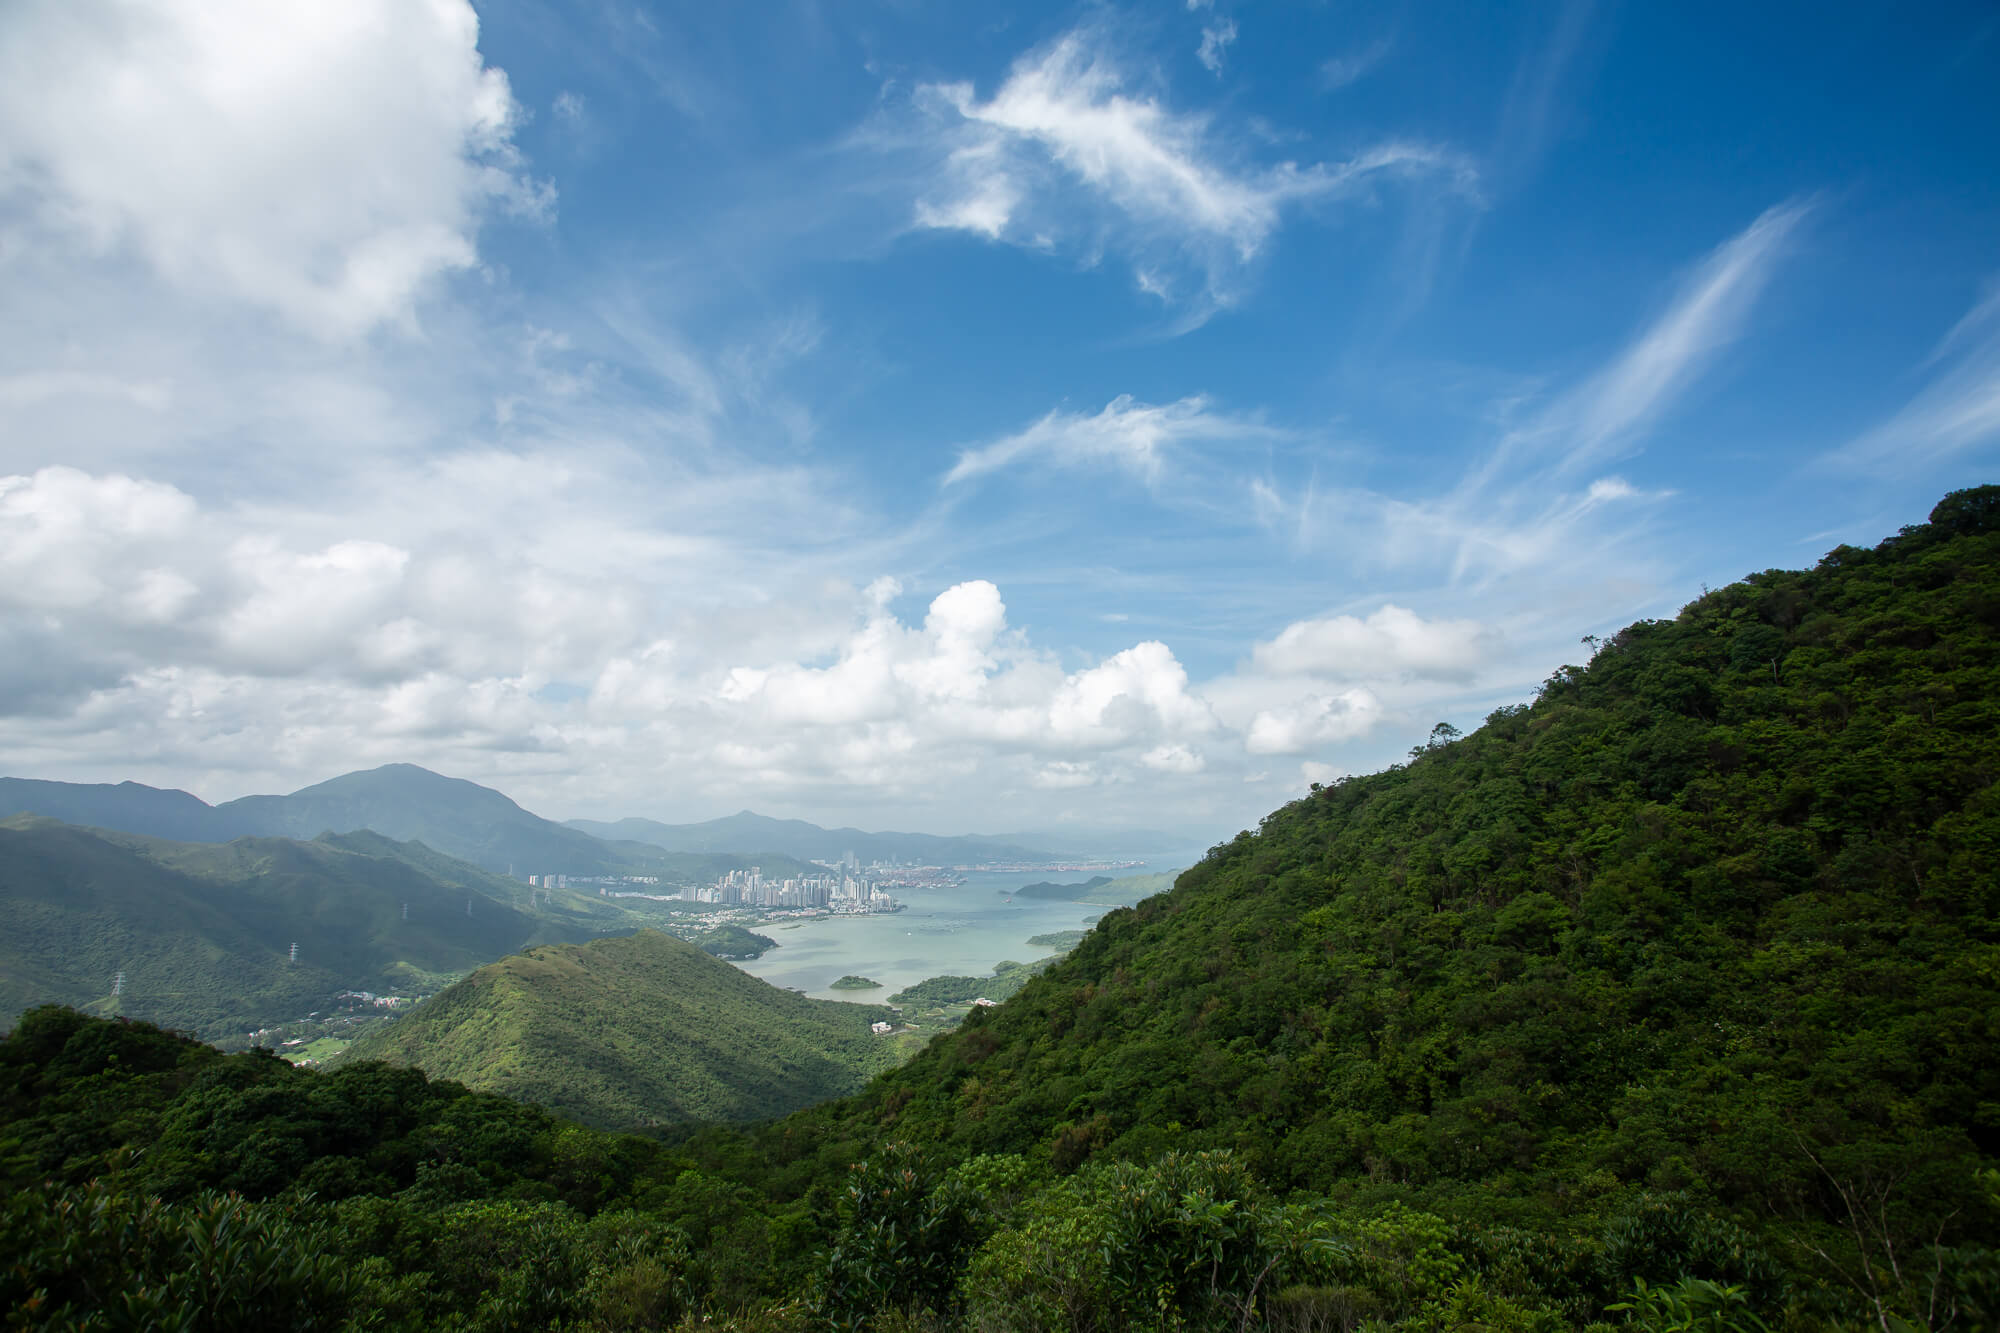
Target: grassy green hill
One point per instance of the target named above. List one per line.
(640, 1030)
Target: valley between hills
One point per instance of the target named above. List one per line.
(1668, 999)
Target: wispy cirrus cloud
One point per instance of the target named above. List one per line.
(1140, 438)
(1957, 411)
(1608, 413)
(1530, 116)
(1337, 72)
(1068, 151)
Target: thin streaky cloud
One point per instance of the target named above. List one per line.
(1708, 314)
(1957, 411)
(1607, 414)
(1340, 71)
(1986, 310)
(1141, 438)
(1528, 117)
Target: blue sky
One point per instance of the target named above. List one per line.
(941, 416)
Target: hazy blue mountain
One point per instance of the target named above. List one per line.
(748, 832)
(401, 801)
(127, 806)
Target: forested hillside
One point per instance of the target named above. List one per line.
(643, 1030)
(1670, 1001)
(1716, 914)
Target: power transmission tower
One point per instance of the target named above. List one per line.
(295, 951)
(118, 984)
(406, 911)
(468, 907)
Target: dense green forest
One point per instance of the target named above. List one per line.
(1670, 1000)
(941, 992)
(636, 1031)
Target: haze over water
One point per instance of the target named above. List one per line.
(962, 931)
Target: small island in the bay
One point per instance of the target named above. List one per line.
(1058, 939)
(1101, 890)
(1060, 892)
(852, 982)
(734, 943)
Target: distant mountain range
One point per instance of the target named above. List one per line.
(478, 824)
(639, 1031)
(795, 837)
(399, 801)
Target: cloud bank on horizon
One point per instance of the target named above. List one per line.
(1095, 415)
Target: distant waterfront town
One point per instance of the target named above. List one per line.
(846, 887)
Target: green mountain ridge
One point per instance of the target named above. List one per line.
(1716, 913)
(203, 931)
(642, 1030)
(401, 802)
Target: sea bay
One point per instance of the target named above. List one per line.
(960, 931)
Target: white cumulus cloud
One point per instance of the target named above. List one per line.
(1392, 641)
(1313, 721)
(325, 159)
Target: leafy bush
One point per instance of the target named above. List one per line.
(1693, 1305)
(1667, 1239)
(903, 1238)
(1183, 1243)
(98, 1258)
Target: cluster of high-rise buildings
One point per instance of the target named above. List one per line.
(579, 881)
(839, 890)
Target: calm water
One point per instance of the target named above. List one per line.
(961, 931)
